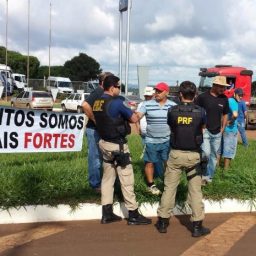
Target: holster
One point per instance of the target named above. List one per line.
(120, 158)
(203, 164)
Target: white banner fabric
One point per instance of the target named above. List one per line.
(40, 131)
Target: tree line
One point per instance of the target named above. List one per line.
(79, 68)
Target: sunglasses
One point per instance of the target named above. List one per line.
(117, 86)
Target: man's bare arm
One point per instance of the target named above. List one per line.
(88, 111)
(245, 114)
(140, 115)
(224, 122)
(134, 118)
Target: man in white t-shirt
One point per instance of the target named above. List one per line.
(149, 93)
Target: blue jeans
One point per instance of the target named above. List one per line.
(158, 166)
(228, 145)
(94, 158)
(241, 129)
(210, 148)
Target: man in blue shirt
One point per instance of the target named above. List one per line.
(229, 137)
(112, 122)
(157, 140)
(242, 113)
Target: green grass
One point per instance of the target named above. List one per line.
(5, 103)
(53, 178)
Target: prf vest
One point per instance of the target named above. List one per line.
(110, 129)
(186, 121)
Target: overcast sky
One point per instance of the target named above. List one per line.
(173, 38)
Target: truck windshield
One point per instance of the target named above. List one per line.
(205, 83)
(65, 84)
(6, 73)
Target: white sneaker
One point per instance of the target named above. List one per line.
(154, 190)
(209, 180)
(206, 180)
(205, 177)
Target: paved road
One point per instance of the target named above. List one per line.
(232, 235)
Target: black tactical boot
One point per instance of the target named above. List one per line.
(162, 225)
(107, 214)
(135, 218)
(199, 230)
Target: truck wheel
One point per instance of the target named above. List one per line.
(79, 110)
(249, 126)
(28, 106)
(63, 108)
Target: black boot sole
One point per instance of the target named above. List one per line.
(109, 221)
(161, 230)
(138, 223)
(201, 234)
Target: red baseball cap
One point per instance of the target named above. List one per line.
(162, 87)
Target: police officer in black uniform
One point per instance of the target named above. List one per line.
(186, 122)
(112, 122)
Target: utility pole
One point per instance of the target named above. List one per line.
(6, 53)
(124, 5)
(28, 42)
(120, 44)
(50, 39)
(127, 46)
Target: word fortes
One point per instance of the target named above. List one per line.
(38, 140)
(48, 140)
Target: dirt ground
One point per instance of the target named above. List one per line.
(251, 134)
(232, 235)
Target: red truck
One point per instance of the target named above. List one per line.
(237, 77)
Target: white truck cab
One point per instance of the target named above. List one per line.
(19, 80)
(63, 84)
(6, 72)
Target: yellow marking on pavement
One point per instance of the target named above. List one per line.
(23, 237)
(222, 238)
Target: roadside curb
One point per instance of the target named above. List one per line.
(45, 213)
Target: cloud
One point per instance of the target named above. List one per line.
(174, 38)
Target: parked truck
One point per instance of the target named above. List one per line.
(63, 84)
(237, 77)
(6, 73)
(19, 80)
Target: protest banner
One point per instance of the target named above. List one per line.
(40, 131)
